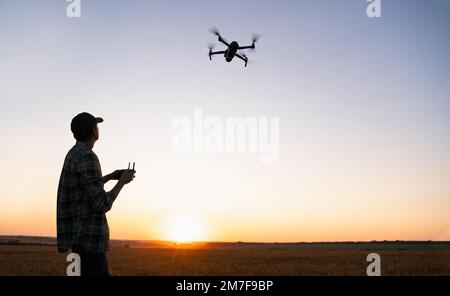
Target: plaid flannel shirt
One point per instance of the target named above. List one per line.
(82, 202)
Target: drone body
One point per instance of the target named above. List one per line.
(232, 50)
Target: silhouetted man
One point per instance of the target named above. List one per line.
(82, 201)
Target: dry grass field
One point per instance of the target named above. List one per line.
(239, 259)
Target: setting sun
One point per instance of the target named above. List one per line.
(183, 229)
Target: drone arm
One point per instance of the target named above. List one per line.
(248, 47)
(211, 53)
(217, 52)
(223, 41)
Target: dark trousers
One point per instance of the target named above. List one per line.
(92, 264)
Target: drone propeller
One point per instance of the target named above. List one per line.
(215, 31)
(255, 38)
(210, 47)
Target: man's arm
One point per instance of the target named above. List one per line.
(126, 177)
(92, 181)
(113, 176)
(106, 178)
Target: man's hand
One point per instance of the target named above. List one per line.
(116, 174)
(127, 176)
(113, 176)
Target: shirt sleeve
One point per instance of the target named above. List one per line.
(91, 181)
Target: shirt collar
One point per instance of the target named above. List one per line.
(82, 145)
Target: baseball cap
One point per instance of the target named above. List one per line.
(83, 124)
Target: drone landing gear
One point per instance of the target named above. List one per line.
(211, 53)
(244, 58)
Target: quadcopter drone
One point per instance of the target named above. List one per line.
(233, 47)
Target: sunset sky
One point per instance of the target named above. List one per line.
(363, 106)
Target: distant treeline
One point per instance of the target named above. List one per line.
(22, 243)
(387, 242)
(51, 241)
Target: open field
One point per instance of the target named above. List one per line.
(240, 259)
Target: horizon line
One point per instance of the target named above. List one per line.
(249, 242)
